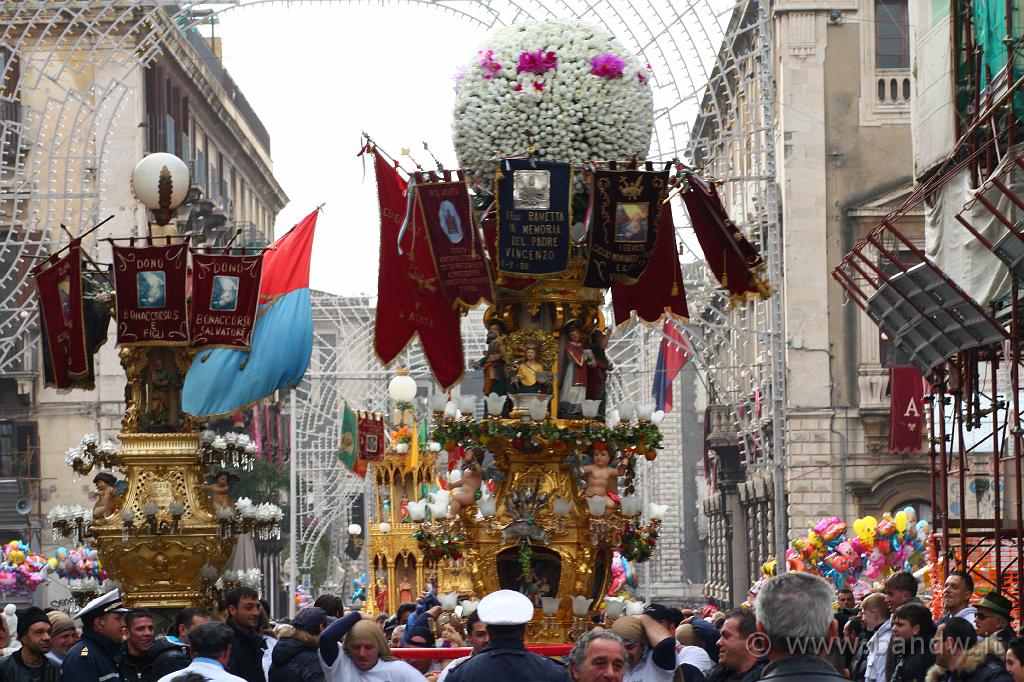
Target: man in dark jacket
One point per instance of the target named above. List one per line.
(178, 657)
(912, 630)
(29, 663)
(794, 613)
(738, 661)
(97, 655)
(142, 649)
(294, 658)
(243, 607)
(962, 657)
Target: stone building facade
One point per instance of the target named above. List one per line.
(104, 111)
(838, 111)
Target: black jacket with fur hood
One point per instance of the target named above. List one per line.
(983, 663)
(295, 657)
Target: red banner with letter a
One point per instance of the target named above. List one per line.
(225, 293)
(906, 410)
(59, 284)
(371, 436)
(410, 299)
(150, 283)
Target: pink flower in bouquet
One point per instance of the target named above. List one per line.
(538, 86)
(537, 62)
(607, 65)
(488, 65)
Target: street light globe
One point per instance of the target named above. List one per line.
(355, 529)
(402, 388)
(160, 181)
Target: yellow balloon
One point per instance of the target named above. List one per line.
(901, 521)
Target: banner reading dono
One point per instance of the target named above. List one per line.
(150, 282)
(225, 293)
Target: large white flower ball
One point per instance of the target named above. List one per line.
(577, 90)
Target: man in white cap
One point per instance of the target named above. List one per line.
(95, 657)
(505, 658)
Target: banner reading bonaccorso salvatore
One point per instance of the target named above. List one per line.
(458, 255)
(225, 294)
(150, 282)
(59, 286)
(371, 436)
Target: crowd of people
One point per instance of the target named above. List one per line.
(798, 628)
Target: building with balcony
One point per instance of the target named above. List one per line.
(78, 108)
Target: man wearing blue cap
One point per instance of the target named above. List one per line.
(97, 655)
(505, 658)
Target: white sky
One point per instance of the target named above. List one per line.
(318, 76)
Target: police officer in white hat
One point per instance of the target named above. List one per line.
(96, 656)
(505, 658)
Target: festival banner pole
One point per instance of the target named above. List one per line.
(293, 494)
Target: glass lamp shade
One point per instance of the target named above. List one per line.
(355, 529)
(402, 388)
(160, 181)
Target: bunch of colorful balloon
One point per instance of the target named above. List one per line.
(624, 582)
(81, 562)
(21, 570)
(874, 550)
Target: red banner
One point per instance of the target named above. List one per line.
(659, 289)
(59, 286)
(371, 436)
(225, 293)
(409, 297)
(458, 253)
(906, 410)
(150, 283)
(735, 261)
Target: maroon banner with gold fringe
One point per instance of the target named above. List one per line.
(59, 285)
(150, 283)
(624, 224)
(225, 294)
(737, 264)
(458, 254)
(659, 290)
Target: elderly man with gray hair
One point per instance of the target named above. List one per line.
(598, 656)
(794, 613)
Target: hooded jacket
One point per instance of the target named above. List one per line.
(295, 658)
(12, 669)
(982, 663)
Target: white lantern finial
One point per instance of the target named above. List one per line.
(160, 181)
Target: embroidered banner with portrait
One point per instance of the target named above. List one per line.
(150, 283)
(534, 217)
(624, 224)
(371, 436)
(458, 254)
(225, 293)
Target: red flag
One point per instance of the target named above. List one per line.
(673, 354)
(906, 410)
(286, 265)
(410, 299)
(659, 289)
(371, 436)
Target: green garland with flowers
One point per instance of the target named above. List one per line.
(528, 436)
(637, 543)
(438, 544)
